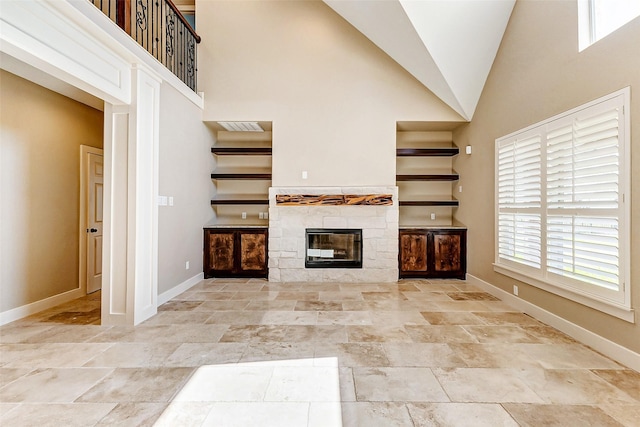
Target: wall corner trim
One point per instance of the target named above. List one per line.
(180, 288)
(609, 348)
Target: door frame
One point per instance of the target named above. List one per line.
(85, 150)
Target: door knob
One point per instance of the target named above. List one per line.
(93, 230)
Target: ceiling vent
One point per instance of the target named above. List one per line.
(241, 126)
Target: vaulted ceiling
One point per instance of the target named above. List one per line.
(447, 45)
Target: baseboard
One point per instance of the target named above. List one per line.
(38, 306)
(178, 289)
(609, 348)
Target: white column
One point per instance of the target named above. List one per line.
(142, 242)
(130, 260)
(114, 250)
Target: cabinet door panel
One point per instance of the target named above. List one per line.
(413, 252)
(221, 251)
(253, 251)
(447, 252)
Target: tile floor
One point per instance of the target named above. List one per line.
(252, 353)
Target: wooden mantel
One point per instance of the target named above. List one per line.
(334, 199)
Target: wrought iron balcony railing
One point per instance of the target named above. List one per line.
(159, 27)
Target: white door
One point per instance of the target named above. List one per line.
(94, 221)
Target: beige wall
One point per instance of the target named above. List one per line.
(333, 96)
(539, 73)
(40, 137)
(185, 163)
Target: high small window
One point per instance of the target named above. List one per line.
(562, 220)
(599, 18)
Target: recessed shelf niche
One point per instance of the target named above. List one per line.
(242, 176)
(425, 177)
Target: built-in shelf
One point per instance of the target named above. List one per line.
(424, 175)
(241, 174)
(241, 177)
(240, 199)
(432, 152)
(452, 202)
(241, 151)
(428, 177)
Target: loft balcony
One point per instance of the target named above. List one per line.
(160, 28)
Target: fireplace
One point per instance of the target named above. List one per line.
(333, 248)
(288, 239)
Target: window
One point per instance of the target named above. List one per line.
(562, 217)
(599, 18)
(191, 19)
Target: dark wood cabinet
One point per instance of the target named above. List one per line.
(235, 252)
(413, 252)
(433, 253)
(449, 252)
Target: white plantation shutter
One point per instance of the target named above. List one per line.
(560, 166)
(519, 175)
(583, 164)
(520, 238)
(584, 248)
(519, 200)
(561, 216)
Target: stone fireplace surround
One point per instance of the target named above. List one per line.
(287, 225)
